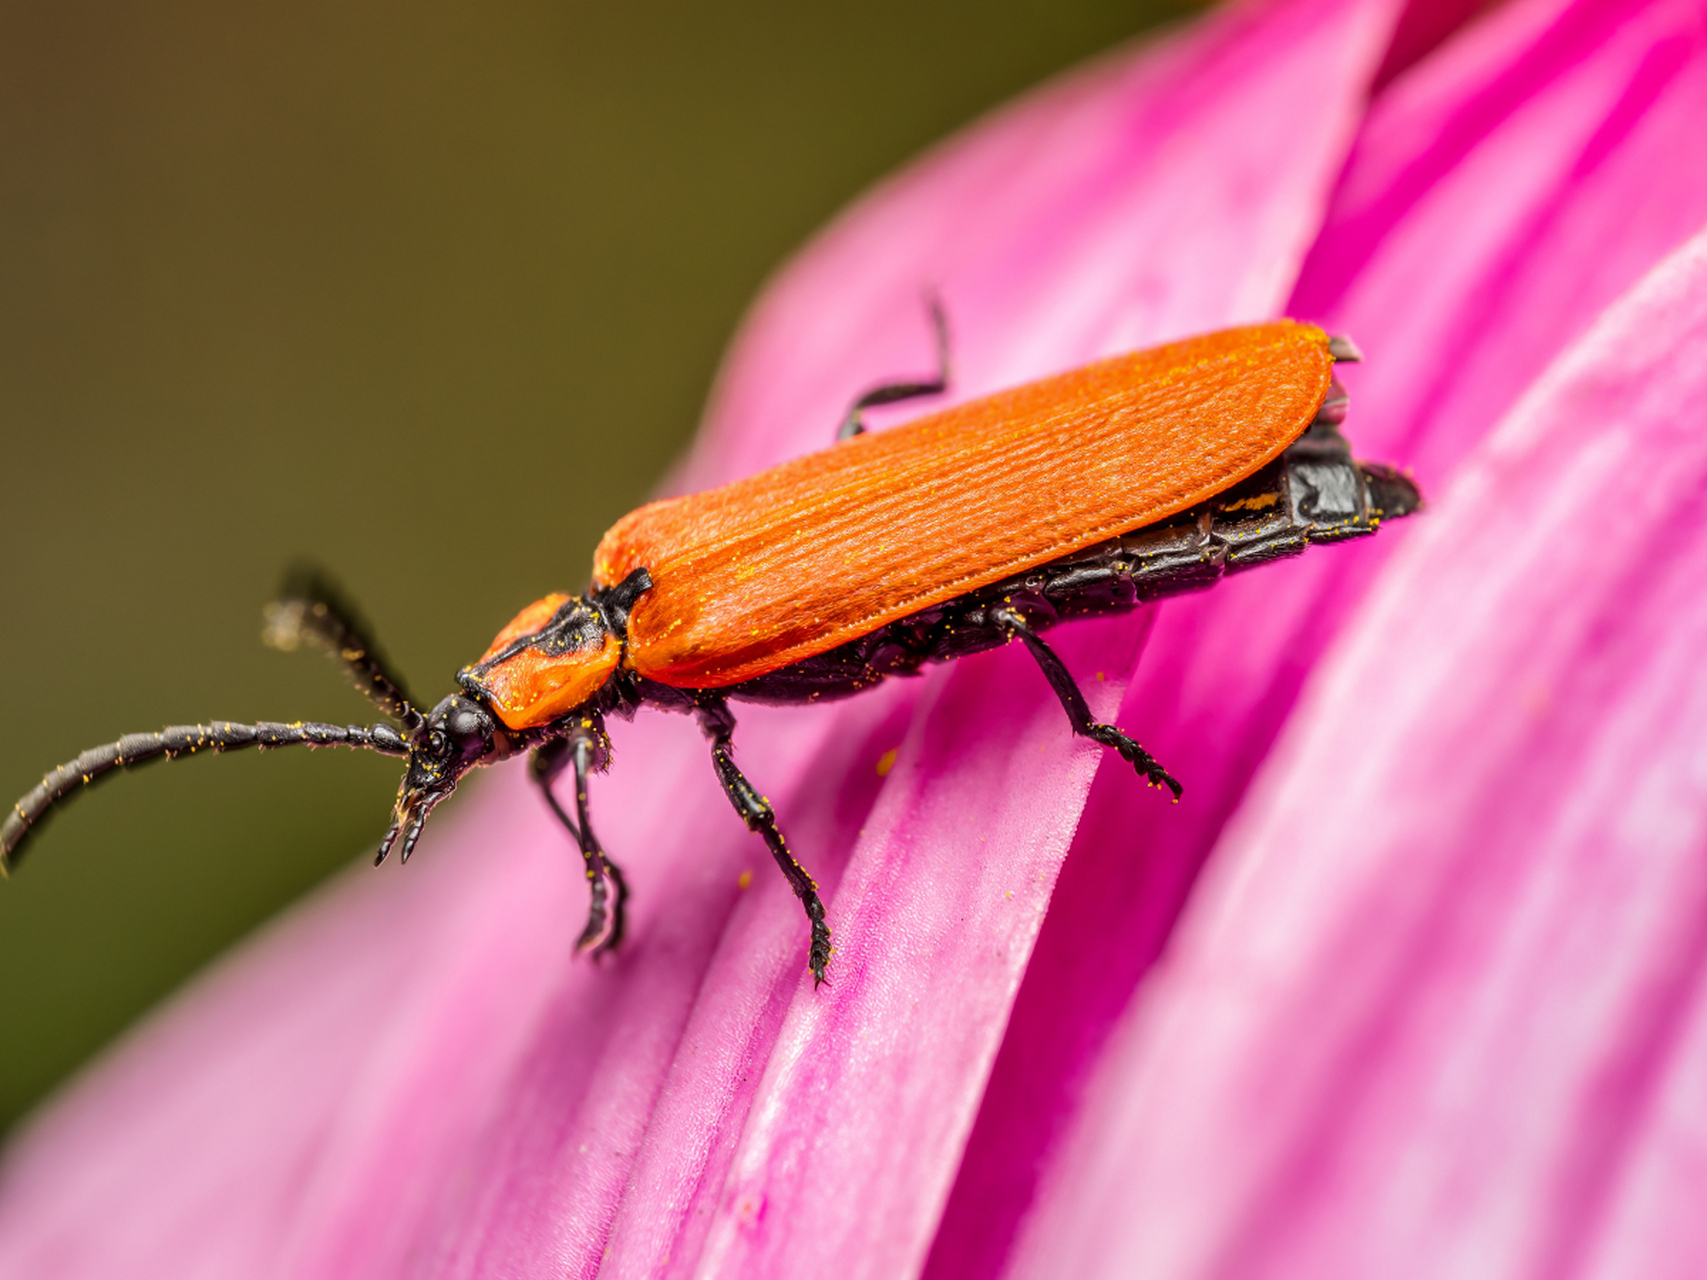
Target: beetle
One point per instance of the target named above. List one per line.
(1086, 493)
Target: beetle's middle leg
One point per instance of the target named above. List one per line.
(579, 750)
(1077, 709)
(718, 724)
(853, 423)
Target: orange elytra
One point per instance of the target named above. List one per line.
(823, 549)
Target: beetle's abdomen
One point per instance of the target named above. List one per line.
(1313, 493)
(553, 656)
(803, 557)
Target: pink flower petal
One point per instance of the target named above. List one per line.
(412, 1076)
(1498, 197)
(1441, 1008)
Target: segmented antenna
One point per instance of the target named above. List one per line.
(178, 740)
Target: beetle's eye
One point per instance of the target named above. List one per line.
(437, 743)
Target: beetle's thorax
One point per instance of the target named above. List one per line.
(555, 656)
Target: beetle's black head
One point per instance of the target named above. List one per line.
(457, 735)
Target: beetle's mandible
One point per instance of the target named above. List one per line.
(1086, 493)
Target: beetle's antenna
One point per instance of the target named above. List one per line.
(311, 610)
(170, 743)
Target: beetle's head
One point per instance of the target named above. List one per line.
(457, 735)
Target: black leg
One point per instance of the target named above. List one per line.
(719, 725)
(1078, 711)
(545, 765)
(890, 392)
(605, 882)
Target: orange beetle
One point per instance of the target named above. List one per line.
(1085, 493)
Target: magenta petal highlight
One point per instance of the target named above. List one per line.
(1441, 1008)
(1501, 195)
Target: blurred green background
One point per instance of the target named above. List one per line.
(283, 279)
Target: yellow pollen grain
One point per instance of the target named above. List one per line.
(886, 762)
(1254, 503)
(745, 880)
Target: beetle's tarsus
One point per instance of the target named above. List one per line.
(1148, 767)
(618, 911)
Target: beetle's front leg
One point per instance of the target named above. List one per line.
(580, 749)
(718, 724)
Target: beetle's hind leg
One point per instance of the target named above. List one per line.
(718, 723)
(606, 912)
(1077, 709)
(853, 423)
